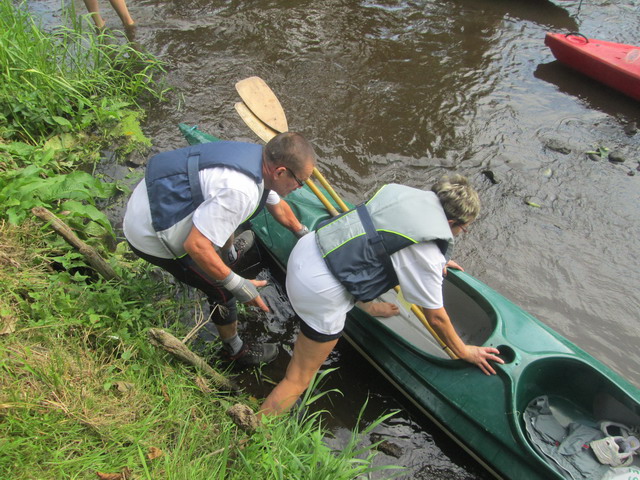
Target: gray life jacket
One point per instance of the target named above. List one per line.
(173, 183)
(357, 245)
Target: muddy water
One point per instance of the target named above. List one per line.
(405, 91)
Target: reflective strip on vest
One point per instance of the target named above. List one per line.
(402, 216)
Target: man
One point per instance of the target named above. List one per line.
(183, 215)
(401, 236)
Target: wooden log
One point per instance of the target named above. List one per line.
(244, 417)
(178, 349)
(91, 254)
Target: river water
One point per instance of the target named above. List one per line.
(405, 91)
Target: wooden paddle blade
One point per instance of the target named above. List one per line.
(259, 128)
(261, 100)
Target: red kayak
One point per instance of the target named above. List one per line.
(614, 64)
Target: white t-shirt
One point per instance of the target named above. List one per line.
(323, 303)
(229, 198)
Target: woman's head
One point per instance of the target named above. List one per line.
(458, 198)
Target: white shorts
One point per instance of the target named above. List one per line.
(322, 302)
(316, 296)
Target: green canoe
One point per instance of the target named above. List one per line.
(484, 414)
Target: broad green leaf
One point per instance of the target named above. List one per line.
(62, 121)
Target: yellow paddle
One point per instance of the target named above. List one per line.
(263, 103)
(263, 113)
(260, 94)
(264, 131)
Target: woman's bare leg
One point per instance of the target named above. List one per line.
(94, 10)
(308, 357)
(123, 12)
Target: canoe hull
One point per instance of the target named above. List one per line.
(614, 64)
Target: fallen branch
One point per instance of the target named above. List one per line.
(174, 346)
(90, 253)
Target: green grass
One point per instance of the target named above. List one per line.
(82, 391)
(65, 80)
(64, 96)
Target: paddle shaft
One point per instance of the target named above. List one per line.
(266, 133)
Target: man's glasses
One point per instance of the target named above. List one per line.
(300, 182)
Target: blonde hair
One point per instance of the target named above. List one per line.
(458, 198)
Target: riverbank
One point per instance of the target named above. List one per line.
(83, 393)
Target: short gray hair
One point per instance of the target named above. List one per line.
(458, 198)
(291, 150)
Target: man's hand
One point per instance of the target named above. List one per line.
(257, 301)
(202, 251)
(245, 290)
(301, 232)
(284, 215)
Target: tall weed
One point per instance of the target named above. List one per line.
(64, 80)
(82, 391)
(64, 93)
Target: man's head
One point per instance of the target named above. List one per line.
(289, 160)
(459, 200)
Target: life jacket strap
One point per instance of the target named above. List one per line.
(375, 240)
(193, 171)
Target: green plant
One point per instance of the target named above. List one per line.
(292, 449)
(600, 152)
(82, 391)
(65, 80)
(57, 90)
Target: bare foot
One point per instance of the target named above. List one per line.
(130, 32)
(380, 309)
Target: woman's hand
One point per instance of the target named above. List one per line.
(480, 356)
(452, 264)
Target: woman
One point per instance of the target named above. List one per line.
(401, 236)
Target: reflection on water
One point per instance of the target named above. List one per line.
(575, 85)
(404, 91)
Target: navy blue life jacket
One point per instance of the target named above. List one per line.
(173, 184)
